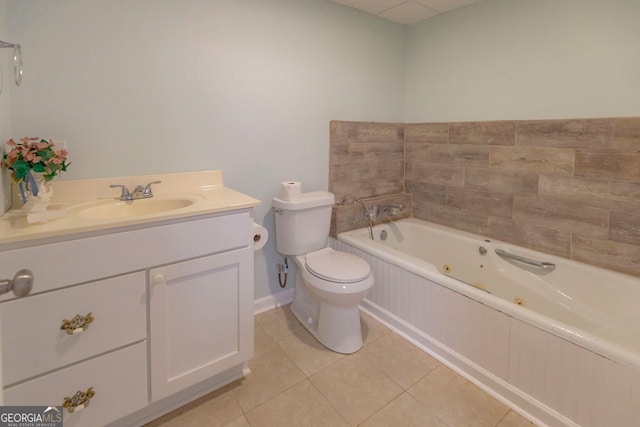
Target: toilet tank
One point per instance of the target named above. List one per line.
(302, 225)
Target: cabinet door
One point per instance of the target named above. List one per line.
(201, 320)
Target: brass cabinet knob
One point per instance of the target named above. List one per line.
(77, 325)
(78, 401)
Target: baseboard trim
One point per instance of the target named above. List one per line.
(272, 301)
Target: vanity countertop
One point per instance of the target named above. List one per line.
(91, 205)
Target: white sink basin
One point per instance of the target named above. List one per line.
(132, 208)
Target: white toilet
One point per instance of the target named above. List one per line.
(329, 284)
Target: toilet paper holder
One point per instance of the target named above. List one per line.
(260, 236)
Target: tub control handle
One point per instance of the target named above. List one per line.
(549, 266)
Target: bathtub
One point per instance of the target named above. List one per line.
(556, 339)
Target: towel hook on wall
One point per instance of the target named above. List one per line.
(17, 62)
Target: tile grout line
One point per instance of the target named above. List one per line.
(328, 401)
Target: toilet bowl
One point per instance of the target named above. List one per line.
(329, 287)
(329, 284)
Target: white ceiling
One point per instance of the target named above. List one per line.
(405, 11)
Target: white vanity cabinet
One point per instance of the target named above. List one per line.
(170, 303)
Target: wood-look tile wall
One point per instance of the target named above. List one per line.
(366, 163)
(566, 187)
(366, 160)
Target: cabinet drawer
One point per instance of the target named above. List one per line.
(33, 343)
(92, 258)
(119, 380)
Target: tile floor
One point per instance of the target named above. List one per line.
(296, 382)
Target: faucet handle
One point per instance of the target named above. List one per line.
(374, 211)
(393, 210)
(147, 189)
(125, 195)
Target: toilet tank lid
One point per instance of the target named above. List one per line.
(309, 200)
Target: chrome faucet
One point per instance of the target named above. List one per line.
(391, 210)
(370, 214)
(147, 188)
(125, 195)
(139, 192)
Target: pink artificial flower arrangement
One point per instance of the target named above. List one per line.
(34, 154)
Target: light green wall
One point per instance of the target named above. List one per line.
(245, 86)
(8, 85)
(249, 86)
(525, 59)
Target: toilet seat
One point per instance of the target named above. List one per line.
(337, 267)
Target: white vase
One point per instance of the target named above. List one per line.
(36, 189)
